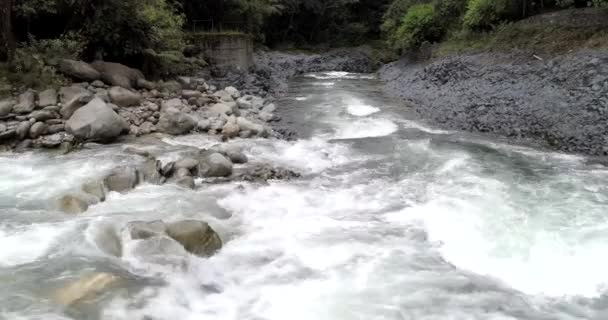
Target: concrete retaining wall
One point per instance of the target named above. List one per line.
(224, 50)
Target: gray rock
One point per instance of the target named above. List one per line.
(244, 102)
(98, 84)
(7, 135)
(55, 128)
(47, 98)
(145, 84)
(96, 121)
(197, 237)
(269, 108)
(139, 230)
(224, 108)
(95, 188)
(118, 74)
(214, 165)
(247, 125)
(185, 182)
(174, 122)
(203, 125)
(224, 96)
(187, 94)
(38, 129)
(230, 130)
(121, 179)
(146, 128)
(2, 127)
(123, 97)
(42, 115)
(185, 82)
(6, 107)
(75, 203)
(171, 86)
(182, 172)
(234, 93)
(266, 117)
(150, 172)
(171, 104)
(78, 70)
(72, 99)
(186, 163)
(23, 129)
(27, 103)
(168, 169)
(55, 140)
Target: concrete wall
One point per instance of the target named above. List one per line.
(225, 50)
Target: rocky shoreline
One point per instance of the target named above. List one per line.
(560, 102)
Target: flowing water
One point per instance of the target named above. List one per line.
(391, 220)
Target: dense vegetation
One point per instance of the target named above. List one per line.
(35, 33)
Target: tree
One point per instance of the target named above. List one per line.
(7, 42)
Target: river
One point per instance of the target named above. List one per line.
(392, 219)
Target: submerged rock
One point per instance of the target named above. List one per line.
(87, 287)
(75, 203)
(122, 179)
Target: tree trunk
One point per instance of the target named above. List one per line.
(7, 42)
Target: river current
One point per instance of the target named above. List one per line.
(392, 220)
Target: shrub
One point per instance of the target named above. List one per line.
(419, 24)
(483, 14)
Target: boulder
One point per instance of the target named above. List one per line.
(186, 163)
(7, 135)
(96, 189)
(269, 108)
(185, 182)
(197, 237)
(139, 230)
(23, 129)
(98, 83)
(27, 102)
(224, 108)
(123, 97)
(230, 130)
(38, 129)
(233, 152)
(72, 99)
(75, 203)
(174, 122)
(234, 93)
(47, 98)
(96, 121)
(247, 125)
(214, 165)
(55, 140)
(6, 107)
(171, 86)
(145, 84)
(118, 74)
(224, 96)
(85, 288)
(150, 172)
(264, 173)
(171, 104)
(42, 115)
(187, 94)
(55, 128)
(78, 70)
(121, 179)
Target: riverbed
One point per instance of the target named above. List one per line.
(391, 219)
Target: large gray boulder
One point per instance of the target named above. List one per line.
(175, 122)
(123, 97)
(248, 125)
(27, 102)
(72, 99)
(23, 129)
(96, 121)
(47, 98)
(224, 108)
(6, 107)
(122, 179)
(214, 165)
(78, 70)
(118, 74)
(196, 236)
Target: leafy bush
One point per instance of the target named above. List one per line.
(419, 24)
(33, 63)
(483, 14)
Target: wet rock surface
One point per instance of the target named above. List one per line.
(561, 102)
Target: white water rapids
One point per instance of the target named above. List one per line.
(392, 220)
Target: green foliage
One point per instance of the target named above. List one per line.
(483, 14)
(168, 64)
(394, 15)
(30, 9)
(419, 24)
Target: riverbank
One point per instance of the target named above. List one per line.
(561, 101)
